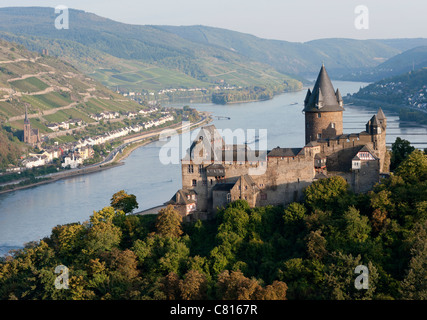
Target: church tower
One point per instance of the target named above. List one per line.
(27, 128)
(323, 108)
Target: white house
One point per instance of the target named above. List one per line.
(72, 161)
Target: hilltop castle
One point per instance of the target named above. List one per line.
(214, 173)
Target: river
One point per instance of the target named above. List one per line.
(30, 214)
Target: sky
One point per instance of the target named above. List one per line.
(290, 20)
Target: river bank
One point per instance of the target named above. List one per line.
(130, 144)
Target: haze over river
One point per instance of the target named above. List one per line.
(30, 214)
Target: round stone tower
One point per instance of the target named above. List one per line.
(323, 108)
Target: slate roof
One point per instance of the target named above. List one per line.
(284, 152)
(313, 144)
(180, 197)
(380, 114)
(323, 97)
(223, 186)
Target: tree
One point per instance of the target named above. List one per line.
(340, 278)
(327, 194)
(193, 286)
(400, 150)
(169, 286)
(235, 286)
(414, 285)
(103, 237)
(356, 226)
(107, 214)
(168, 222)
(123, 201)
(414, 168)
(67, 239)
(316, 245)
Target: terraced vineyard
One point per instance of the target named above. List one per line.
(50, 89)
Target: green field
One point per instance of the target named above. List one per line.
(135, 76)
(48, 101)
(31, 84)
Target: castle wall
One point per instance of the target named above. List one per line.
(363, 179)
(339, 149)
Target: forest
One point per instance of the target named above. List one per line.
(308, 250)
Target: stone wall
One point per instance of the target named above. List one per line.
(329, 125)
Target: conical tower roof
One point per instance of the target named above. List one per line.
(380, 114)
(323, 97)
(26, 121)
(374, 121)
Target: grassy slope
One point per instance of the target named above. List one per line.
(44, 84)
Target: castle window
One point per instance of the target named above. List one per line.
(190, 168)
(319, 115)
(194, 182)
(333, 125)
(246, 187)
(228, 197)
(200, 168)
(319, 135)
(211, 181)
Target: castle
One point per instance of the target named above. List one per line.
(215, 174)
(31, 136)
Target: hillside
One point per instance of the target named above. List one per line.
(412, 59)
(52, 91)
(136, 57)
(50, 88)
(340, 55)
(144, 56)
(405, 93)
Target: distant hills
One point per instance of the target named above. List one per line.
(410, 60)
(146, 57)
(136, 57)
(405, 94)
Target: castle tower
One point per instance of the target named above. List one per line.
(323, 108)
(27, 128)
(376, 127)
